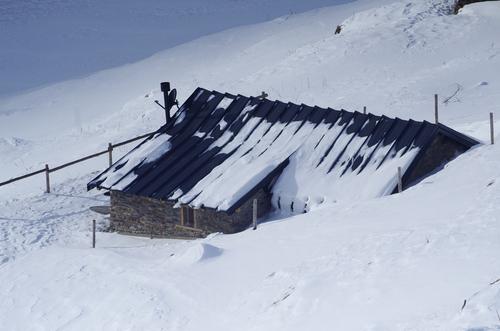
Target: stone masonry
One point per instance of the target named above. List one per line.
(132, 214)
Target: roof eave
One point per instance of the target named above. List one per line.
(461, 138)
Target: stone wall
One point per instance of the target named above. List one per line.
(139, 215)
(441, 151)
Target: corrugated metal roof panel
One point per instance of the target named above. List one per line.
(219, 148)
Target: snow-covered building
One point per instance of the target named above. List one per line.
(201, 171)
(459, 4)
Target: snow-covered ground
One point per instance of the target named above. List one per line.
(402, 262)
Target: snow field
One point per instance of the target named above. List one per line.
(402, 262)
(406, 261)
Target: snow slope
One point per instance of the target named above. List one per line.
(52, 40)
(402, 262)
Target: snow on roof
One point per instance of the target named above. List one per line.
(219, 149)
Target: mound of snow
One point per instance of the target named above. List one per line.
(198, 252)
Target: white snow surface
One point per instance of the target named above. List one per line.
(401, 262)
(121, 173)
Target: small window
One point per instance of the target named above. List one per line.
(187, 217)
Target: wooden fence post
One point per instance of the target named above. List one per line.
(364, 110)
(492, 129)
(436, 108)
(93, 233)
(254, 216)
(47, 179)
(110, 152)
(57, 168)
(400, 180)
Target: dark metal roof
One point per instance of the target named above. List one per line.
(219, 149)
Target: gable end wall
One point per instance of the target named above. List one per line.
(441, 151)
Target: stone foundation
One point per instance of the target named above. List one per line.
(132, 214)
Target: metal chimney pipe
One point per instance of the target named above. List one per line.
(165, 88)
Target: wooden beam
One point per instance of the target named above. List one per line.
(400, 180)
(492, 129)
(110, 153)
(436, 109)
(254, 214)
(182, 215)
(93, 233)
(47, 179)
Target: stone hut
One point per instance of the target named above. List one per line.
(202, 170)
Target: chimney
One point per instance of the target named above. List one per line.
(165, 88)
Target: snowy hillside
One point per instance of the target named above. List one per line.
(52, 40)
(402, 262)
